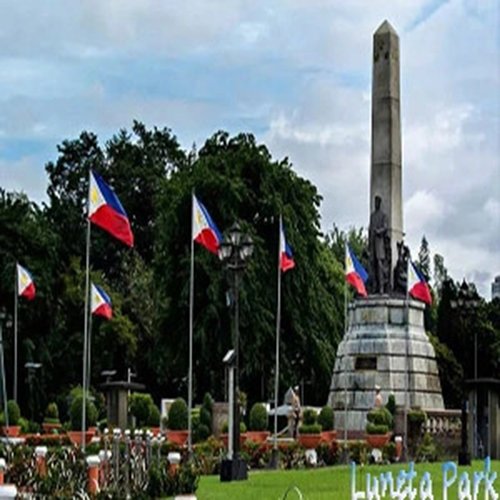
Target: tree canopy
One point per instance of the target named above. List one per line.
(238, 180)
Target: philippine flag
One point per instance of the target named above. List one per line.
(100, 303)
(106, 211)
(417, 286)
(205, 232)
(355, 273)
(286, 255)
(25, 283)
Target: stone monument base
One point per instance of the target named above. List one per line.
(380, 348)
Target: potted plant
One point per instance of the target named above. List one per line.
(75, 434)
(310, 430)
(178, 422)
(258, 424)
(377, 428)
(51, 421)
(325, 419)
(14, 414)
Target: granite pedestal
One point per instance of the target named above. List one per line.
(376, 350)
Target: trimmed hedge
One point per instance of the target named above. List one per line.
(325, 418)
(258, 418)
(178, 415)
(376, 428)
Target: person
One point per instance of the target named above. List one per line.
(379, 402)
(296, 410)
(378, 235)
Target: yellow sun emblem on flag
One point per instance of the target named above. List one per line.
(94, 197)
(199, 217)
(96, 298)
(24, 280)
(348, 261)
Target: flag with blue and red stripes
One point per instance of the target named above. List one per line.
(106, 211)
(355, 273)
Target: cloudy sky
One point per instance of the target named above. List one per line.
(297, 74)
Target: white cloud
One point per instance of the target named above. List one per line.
(297, 73)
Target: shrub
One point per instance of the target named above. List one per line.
(391, 405)
(258, 417)
(203, 433)
(380, 416)
(178, 415)
(187, 479)
(52, 413)
(427, 451)
(76, 413)
(328, 453)
(325, 418)
(310, 416)
(376, 428)
(14, 412)
(208, 402)
(389, 452)
(359, 451)
(154, 416)
(205, 417)
(140, 405)
(310, 429)
(416, 417)
(256, 455)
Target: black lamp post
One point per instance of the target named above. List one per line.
(466, 304)
(31, 368)
(234, 252)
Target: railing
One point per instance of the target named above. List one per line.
(443, 423)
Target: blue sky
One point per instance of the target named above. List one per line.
(297, 74)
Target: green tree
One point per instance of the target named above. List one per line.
(237, 179)
(440, 273)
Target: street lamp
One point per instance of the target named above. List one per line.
(31, 367)
(234, 252)
(466, 304)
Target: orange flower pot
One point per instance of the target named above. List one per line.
(309, 441)
(328, 436)
(76, 437)
(11, 431)
(178, 437)
(258, 436)
(377, 440)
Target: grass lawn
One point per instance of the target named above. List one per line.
(324, 483)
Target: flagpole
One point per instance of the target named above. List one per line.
(345, 365)
(191, 308)
(4, 384)
(89, 351)
(16, 291)
(407, 371)
(277, 369)
(85, 333)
